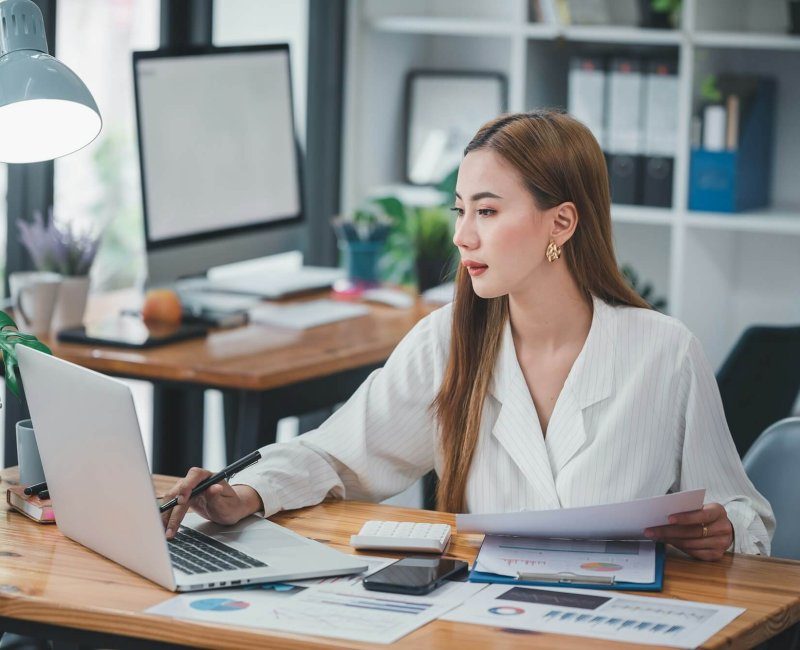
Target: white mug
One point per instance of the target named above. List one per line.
(34, 294)
(70, 303)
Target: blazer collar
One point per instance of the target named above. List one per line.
(591, 378)
(517, 427)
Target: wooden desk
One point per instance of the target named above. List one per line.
(265, 373)
(53, 586)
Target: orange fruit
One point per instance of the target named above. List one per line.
(162, 305)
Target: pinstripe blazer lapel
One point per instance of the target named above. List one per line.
(517, 426)
(590, 380)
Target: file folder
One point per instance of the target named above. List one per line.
(578, 581)
(624, 133)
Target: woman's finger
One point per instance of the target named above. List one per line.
(688, 531)
(712, 543)
(184, 489)
(708, 513)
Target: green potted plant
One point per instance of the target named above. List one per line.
(10, 338)
(420, 249)
(361, 238)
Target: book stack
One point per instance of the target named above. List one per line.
(40, 510)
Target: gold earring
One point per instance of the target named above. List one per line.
(553, 252)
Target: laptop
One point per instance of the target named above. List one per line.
(103, 496)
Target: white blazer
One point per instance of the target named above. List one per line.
(639, 415)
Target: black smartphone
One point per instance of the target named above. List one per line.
(414, 575)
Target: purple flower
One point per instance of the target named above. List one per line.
(61, 249)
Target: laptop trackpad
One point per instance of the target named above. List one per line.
(251, 534)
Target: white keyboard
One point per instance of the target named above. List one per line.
(402, 536)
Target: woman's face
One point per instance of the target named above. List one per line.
(500, 233)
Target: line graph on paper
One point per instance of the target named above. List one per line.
(522, 563)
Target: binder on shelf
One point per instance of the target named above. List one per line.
(739, 179)
(624, 130)
(544, 11)
(660, 132)
(586, 94)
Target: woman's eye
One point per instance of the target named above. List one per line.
(486, 212)
(459, 212)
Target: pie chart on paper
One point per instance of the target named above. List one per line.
(219, 604)
(601, 566)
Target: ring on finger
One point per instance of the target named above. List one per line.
(705, 530)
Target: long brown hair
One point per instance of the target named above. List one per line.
(558, 160)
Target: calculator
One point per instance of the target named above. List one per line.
(402, 536)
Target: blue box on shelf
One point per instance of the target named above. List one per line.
(724, 181)
(737, 180)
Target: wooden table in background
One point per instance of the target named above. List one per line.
(52, 586)
(265, 374)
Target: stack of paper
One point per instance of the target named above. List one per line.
(303, 315)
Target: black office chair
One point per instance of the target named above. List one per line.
(760, 381)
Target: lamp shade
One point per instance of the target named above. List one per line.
(46, 111)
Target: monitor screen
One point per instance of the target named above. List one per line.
(216, 143)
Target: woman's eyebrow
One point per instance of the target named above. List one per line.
(482, 195)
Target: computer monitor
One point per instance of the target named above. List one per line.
(219, 160)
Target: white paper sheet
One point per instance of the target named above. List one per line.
(624, 561)
(333, 607)
(625, 520)
(590, 613)
(303, 315)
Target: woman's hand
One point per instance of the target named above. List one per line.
(220, 503)
(705, 534)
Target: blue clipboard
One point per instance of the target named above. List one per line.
(656, 585)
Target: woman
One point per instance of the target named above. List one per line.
(547, 383)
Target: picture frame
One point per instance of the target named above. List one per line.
(444, 110)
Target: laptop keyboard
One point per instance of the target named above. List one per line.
(194, 552)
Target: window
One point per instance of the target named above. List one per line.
(98, 187)
(3, 222)
(246, 22)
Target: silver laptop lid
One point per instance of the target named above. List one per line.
(102, 493)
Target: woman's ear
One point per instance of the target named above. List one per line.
(565, 220)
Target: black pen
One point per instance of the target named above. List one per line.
(223, 474)
(35, 488)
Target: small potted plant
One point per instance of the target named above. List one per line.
(68, 251)
(361, 238)
(27, 452)
(420, 245)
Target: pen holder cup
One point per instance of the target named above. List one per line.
(361, 260)
(30, 463)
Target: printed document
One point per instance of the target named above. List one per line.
(625, 520)
(602, 615)
(624, 561)
(334, 607)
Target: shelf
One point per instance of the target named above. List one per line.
(737, 40)
(444, 26)
(642, 214)
(630, 35)
(769, 221)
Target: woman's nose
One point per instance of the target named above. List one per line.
(465, 235)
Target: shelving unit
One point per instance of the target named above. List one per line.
(719, 272)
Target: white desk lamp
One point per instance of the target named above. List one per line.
(46, 111)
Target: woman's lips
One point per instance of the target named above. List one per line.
(475, 269)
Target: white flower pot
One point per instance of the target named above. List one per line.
(71, 303)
